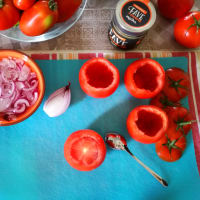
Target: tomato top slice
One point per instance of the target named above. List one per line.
(147, 124)
(85, 150)
(99, 78)
(177, 84)
(171, 146)
(144, 78)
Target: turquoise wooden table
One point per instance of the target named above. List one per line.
(32, 164)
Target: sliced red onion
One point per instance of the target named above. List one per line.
(24, 73)
(35, 97)
(18, 87)
(4, 104)
(7, 89)
(32, 87)
(20, 105)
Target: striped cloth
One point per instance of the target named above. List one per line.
(193, 69)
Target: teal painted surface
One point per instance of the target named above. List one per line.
(32, 165)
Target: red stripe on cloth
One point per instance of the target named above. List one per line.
(133, 55)
(195, 80)
(86, 55)
(180, 54)
(147, 55)
(100, 55)
(40, 56)
(195, 129)
(54, 56)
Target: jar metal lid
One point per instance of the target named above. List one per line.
(135, 16)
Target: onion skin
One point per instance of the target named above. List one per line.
(58, 102)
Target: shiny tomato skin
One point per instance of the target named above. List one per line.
(180, 114)
(144, 78)
(99, 78)
(176, 74)
(163, 151)
(173, 9)
(38, 19)
(67, 8)
(184, 34)
(23, 4)
(9, 15)
(162, 101)
(147, 124)
(85, 150)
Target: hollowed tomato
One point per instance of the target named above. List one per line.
(99, 78)
(147, 124)
(85, 150)
(144, 78)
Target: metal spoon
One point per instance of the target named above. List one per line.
(118, 142)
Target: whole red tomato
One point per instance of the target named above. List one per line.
(39, 18)
(147, 124)
(187, 30)
(180, 120)
(174, 8)
(67, 8)
(171, 146)
(9, 15)
(144, 78)
(99, 78)
(23, 4)
(85, 150)
(177, 84)
(162, 101)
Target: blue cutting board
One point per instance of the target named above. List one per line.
(32, 165)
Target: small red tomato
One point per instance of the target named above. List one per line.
(39, 18)
(180, 120)
(174, 8)
(23, 4)
(99, 78)
(144, 78)
(171, 146)
(9, 15)
(85, 150)
(67, 8)
(177, 84)
(187, 30)
(147, 124)
(162, 101)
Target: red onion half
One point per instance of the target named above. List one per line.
(18, 87)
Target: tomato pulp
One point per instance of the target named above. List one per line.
(99, 78)
(147, 124)
(144, 78)
(85, 150)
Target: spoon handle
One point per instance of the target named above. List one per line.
(160, 179)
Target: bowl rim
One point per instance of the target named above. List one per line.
(25, 58)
